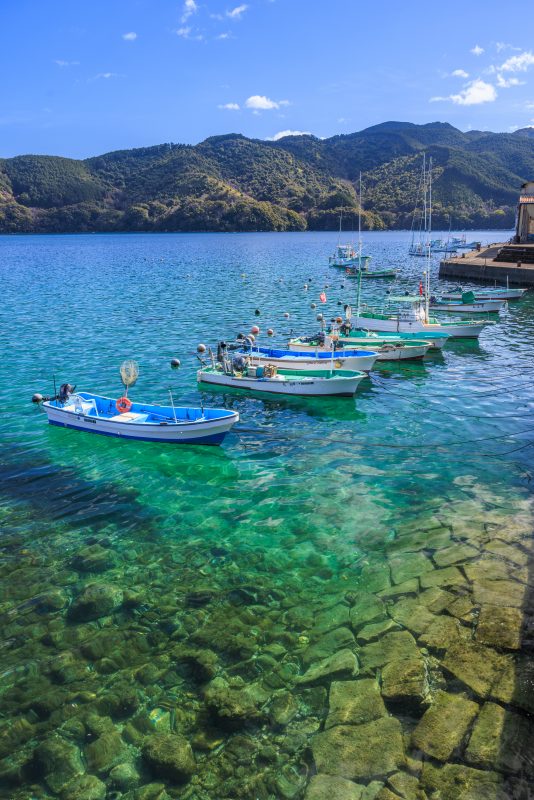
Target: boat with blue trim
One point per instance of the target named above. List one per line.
(145, 422)
(359, 360)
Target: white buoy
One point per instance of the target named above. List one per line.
(255, 330)
(175, 362)
(201, 348)
(270, 332)
(286, 314)
(313, 305)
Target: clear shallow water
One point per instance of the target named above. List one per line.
(231, 555)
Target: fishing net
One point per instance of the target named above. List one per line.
(129, 370)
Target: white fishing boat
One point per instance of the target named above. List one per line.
(269, 379)
(144, 422)
(467, 304)
(486, 294)
(359, 360)
(387, 348)
(409, 314)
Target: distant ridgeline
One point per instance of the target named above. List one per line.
(231, 183)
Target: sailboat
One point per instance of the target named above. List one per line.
(361, 270)
(345, 255)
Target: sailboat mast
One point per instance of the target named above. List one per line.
(358, 303)
(424, 192)
(429, 245)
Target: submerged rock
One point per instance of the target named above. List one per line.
(337, 639)
(457, 782)
(361, 751)
(95, 601)
(354, 703)
(409, 565)
(235, 706)
(477, 666)
(405, 684)
(169, 756)
(105, 751)
(328, 787)
(502, 740)
(342, 664)
(366, 608)
(86, 787)
(412, 615)
(391, 647)
(500, 626)
(94, 559)
(444, 725)
(60, 761)
(124, 776)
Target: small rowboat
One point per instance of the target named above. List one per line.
(359, 360)
(270, 380)
(144, 422)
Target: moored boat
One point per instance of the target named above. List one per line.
(486, 294)
(409, 314)
(371, 273)
(359, 360)
(145, 422)
(269, 379)
(346, 256)
(466, 305)
(388, 348)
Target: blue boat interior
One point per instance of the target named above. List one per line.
(269, 353)
(92, 405)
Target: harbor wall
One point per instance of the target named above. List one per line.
(481, 266)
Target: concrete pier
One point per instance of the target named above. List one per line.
(488, 265)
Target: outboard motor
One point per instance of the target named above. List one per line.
(65, 390)
(239, 364)
(221, 351)
(345, 328)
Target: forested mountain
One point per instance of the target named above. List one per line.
(231, 183)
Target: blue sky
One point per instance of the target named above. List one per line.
(83, 77)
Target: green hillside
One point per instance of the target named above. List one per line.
(231, 183)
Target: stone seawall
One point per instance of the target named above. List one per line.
(481, 266)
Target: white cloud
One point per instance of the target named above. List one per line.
(529, 105)
(223, 36)
(258, 102)
(131, 36)
(281, 134)
(229, 106)
(518, 63)
(190, 8)
(106, 76)
(61, 63)
(236, 12)
(505, 83)
(477, 50)
(341, 119)
(459, 73)
(184, 32)
(476, 92)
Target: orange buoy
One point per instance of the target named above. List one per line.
(123, 405)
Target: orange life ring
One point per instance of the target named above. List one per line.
(123, 405)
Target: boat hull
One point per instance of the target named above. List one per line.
(489, 294)
(318, 387)
(467, 330)
(210, 432)
(480, 307)
(360, 363)
(387, 351)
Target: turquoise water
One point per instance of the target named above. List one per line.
(227, 559)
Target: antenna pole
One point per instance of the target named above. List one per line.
(55, 389)
(359, 296)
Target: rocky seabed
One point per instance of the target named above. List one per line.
(150, 669)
